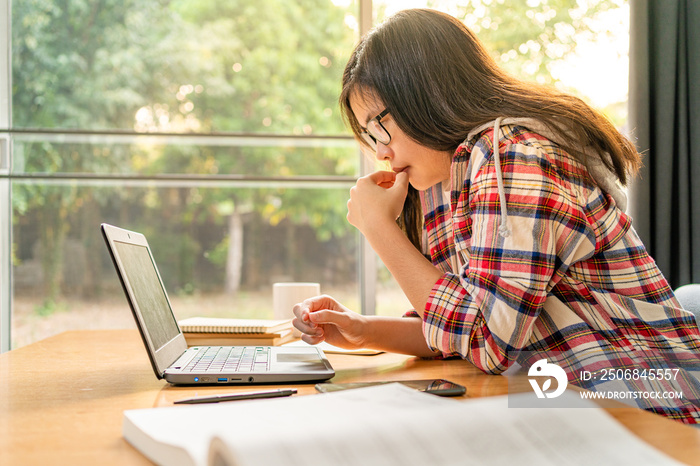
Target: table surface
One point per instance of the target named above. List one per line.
(58, 406)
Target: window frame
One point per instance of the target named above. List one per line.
(5, 181)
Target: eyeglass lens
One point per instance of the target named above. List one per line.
(369, 139)
(377, 131)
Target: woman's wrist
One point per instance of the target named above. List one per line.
(365, 332)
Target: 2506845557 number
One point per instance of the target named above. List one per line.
(630, 374)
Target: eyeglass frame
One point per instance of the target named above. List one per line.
(372, 139)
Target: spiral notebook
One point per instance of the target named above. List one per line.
(226, 325)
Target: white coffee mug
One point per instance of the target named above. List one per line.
(286, 295)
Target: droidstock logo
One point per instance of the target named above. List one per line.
(543, 368)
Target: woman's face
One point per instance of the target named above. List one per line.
(425, 167)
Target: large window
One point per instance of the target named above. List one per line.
(213, 127)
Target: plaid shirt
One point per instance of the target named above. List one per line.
(572, 281)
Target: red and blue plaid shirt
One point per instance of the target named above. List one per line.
(572, 280)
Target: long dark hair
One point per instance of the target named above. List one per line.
(439, 82)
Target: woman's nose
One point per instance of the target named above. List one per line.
(383, 152)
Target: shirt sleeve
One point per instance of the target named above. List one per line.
(487, 312)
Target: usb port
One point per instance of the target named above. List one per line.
(222, 379)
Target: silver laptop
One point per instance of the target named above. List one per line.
(171, 358)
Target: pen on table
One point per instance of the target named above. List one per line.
(237, 396)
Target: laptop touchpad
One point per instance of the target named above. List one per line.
(298, 357)
(306, 361)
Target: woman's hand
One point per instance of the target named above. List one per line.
(376, 199)
(322, 318)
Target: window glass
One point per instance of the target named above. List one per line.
(219, 248)
(181, 65)
(46, 155)
(211, 127)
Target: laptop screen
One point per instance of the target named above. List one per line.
(148, 292)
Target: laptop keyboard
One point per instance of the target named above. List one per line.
(219, 359)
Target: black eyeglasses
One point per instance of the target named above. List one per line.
(376, 131)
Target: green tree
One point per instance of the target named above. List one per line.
(265, 67)
(172, 67)
(84, 65)
(528, 37)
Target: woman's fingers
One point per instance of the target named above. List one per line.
(303, 312)
(381, 178)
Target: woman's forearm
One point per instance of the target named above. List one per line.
(397, 335)
(414, 273)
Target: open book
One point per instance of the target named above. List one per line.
(386, 424)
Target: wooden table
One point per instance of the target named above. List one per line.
(61, 399)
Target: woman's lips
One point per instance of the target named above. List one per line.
(398, 170)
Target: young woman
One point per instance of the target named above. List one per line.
(512, 242)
